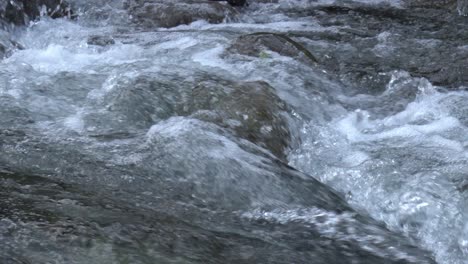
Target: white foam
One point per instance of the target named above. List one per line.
(56, 58)
(211, 57)
(180, 43)
(336, 226)
(400, 167)
(277, 26)
(75, 122)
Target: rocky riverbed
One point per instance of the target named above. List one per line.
(191, 131)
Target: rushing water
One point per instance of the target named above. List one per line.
(109, 154)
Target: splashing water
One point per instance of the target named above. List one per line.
(407, 169)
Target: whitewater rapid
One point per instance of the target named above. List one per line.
(399, 155)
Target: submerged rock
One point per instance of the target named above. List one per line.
(186, 190)
(100, 40)
(13, 115)
(133, 104)
(76, 225)
(170, 13)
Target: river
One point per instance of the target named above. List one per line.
(292, 131)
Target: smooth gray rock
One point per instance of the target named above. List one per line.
(102, 41)
(258, 43)
(422, 39)
(171, 13)
(7, 45)
(251, 109)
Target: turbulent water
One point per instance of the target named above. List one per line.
(122, 143)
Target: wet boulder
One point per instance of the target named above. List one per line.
(13, 114)
(461, 6)
(237, 2)
(19, 12)
(430, 3)
(52, 8)
(256, 44)
(6, 43)
(251, 109)
(98, 40)
(374, 40)
(132, 104)
(164, 13)
(11, 12)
